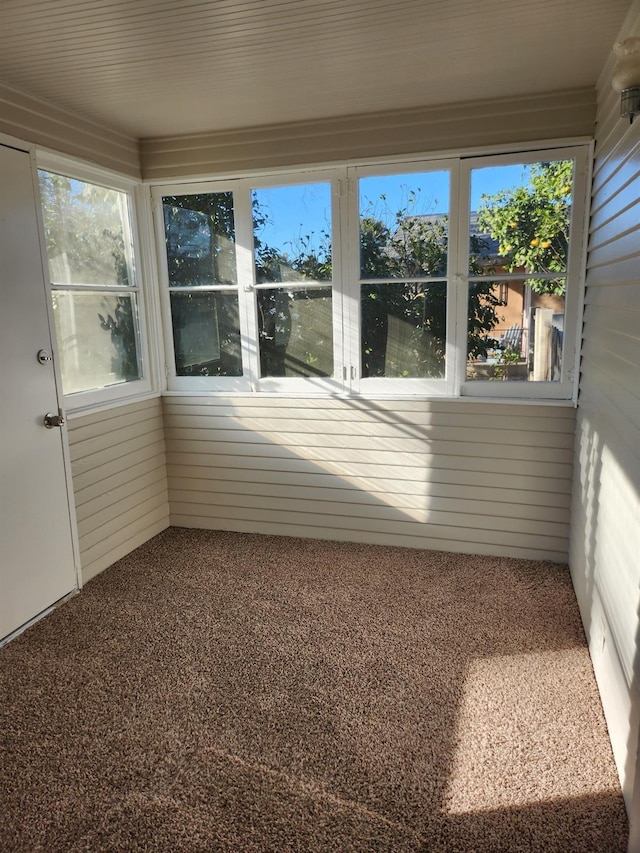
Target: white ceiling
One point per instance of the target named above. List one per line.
(167, 67)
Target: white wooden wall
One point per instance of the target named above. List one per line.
(460, 476)
(605, 532)
(39, 122)
(500, 121)
(119, 477)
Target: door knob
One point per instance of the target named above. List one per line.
(51, 420)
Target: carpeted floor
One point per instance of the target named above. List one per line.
(226, 692)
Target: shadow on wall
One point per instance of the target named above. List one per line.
(462, 478)
(604, 569)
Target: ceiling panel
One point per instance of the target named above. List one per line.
(163, 67)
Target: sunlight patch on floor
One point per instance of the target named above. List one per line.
(527, 733)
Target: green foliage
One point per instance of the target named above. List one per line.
(308, 259)
(121, 326)
(84, 226)
(531, 223)
(83, 232)
(400, 247)
(507, 359)
(200, 239)
(200, 235)
(395, 247)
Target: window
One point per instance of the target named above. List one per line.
(203, 284)
(520, 232)
(451, 277)
(95, 293)
(293, 275)
(403, 263)
(248, 270)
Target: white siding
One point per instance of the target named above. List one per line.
(605, 532)
(458, 476)
(32, 120)
(414, 131)
(118, 469)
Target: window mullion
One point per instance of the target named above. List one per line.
(163, 281)
(461, 274)
(456, 303)
(246, 283)
(341, 279)
(351, 283)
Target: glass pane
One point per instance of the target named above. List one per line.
(97, 339)
(200, 239)
(515, 331)
(404, 329)
(87, 232)
(292, 233)
(206, 334)
(295, 329)
(520, 217)
(404, 225)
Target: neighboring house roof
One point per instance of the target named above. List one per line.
(489, 244)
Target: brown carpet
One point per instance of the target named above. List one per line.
(226, 692)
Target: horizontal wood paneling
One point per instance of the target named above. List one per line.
(615, 219)
(32, 120)
(424, 500)
(605, 514)
(118, 467)
(492, 479)
(390, 134)
(366, 489)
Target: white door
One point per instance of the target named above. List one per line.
(36, 551)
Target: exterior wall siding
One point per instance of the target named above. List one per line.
(504, 121)
(456, 476)
(605, 520)
(118, 469)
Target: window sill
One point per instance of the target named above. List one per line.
(440, 398)
(89, 408)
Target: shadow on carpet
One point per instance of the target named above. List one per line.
(230, 692)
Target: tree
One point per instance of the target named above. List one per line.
(531, 223)
(200, 242)
(83, 232)
(200, 237)
(306, 258)
(85, 241)
(403, 321)
(400, 247)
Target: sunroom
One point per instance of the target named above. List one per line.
(347, 272)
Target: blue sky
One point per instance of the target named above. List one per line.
(298, 210)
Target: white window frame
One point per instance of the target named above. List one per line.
(243, 260)
(147, 384)
(566, 387)
(391, 386)
(347, 379)
(247, 288)
(310, 384)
